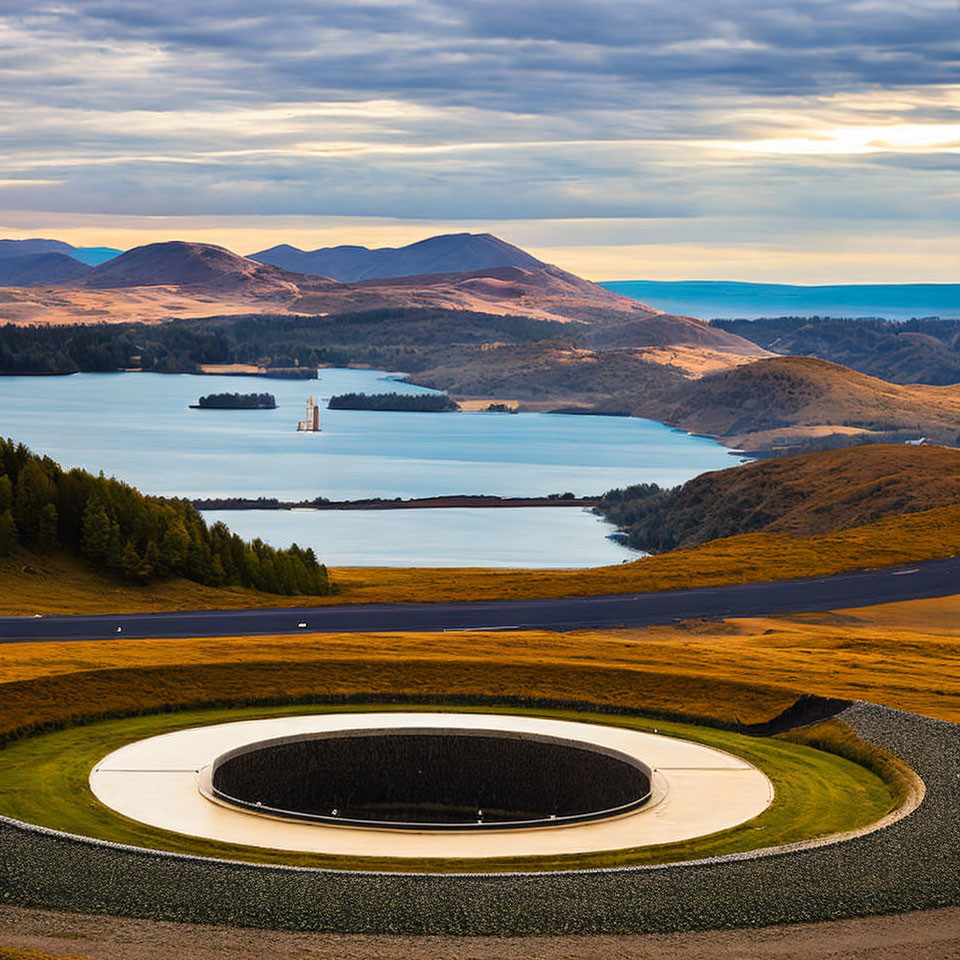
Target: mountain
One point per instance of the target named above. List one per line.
(29, 248)
(197, 265)
(807, 495)
(449, 253)
(92, 256)
(41, 269)
(788, 403)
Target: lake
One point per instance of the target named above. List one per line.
(139, 428)
(714, 299)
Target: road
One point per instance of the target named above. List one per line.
(864, 588)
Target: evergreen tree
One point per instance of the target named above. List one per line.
(8, 532)
(95, 540)
(47, 527)
(130, 563)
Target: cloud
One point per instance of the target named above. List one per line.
(702, 113)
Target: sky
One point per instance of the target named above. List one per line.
(807, 141)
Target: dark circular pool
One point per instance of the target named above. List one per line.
(431, 779)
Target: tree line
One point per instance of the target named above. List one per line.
(416, 402)
(138, 538)
(393, 338)
(237, 401)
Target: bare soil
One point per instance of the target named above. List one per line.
(930, 935)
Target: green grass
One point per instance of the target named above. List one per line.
(44, 780)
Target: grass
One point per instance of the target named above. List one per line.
(9, 953)
(61, 584)
(904, 655)
(43, 780)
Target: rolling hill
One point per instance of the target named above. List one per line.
(450, 253)
(911, 351)
(807, 495)
(791, 402)
(42, 269)
(191, 280)
(182, 264)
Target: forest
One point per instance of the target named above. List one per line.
(413, 402)
(396, 339)
(236, 401)
(118, 530)
(926, 350)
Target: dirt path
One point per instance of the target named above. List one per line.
(932, 935)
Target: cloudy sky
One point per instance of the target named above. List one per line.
(792, 140)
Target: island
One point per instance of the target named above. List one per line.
(407, 402)
(236, 401)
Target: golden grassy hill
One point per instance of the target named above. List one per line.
(751, 405)
(807, 495)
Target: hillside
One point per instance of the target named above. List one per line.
(192, 280)
(182, 264)
(790, 402)
(914, 351)
(120, 533)
(450, 253)
(807, 495)
(28, 248)
(41, 269)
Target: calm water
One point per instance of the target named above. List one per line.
(710, 299)
(454, 537)
(139, 428)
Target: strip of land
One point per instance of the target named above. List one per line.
(48, 935)
(398, 503)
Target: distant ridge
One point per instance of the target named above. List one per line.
(449, 253)
(92, 256)
(29, 248)
(41, 269)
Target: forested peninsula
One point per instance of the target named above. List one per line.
(117, 529)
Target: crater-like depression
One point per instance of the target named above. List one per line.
(430, 778)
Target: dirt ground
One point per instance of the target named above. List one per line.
(932, 935)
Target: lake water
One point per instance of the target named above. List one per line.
(139, 428)
(713, 299)
(448, 537)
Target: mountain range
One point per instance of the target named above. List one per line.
(522, 329)
(448, 253)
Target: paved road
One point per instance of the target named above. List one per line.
(931, 579)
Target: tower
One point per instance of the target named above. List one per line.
(311, 422)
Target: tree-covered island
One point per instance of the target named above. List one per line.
(236, 401)
(408, 402)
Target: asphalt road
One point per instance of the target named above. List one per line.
(864, 588)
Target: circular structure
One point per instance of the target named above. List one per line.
(430, 785)
(430, 779)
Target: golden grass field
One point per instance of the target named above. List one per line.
(61, 584)
(905, 655)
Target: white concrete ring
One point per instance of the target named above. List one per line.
(697, 790)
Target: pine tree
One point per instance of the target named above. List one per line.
(95, 536)
(8, 532)
(130, 562)
(47, 527)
